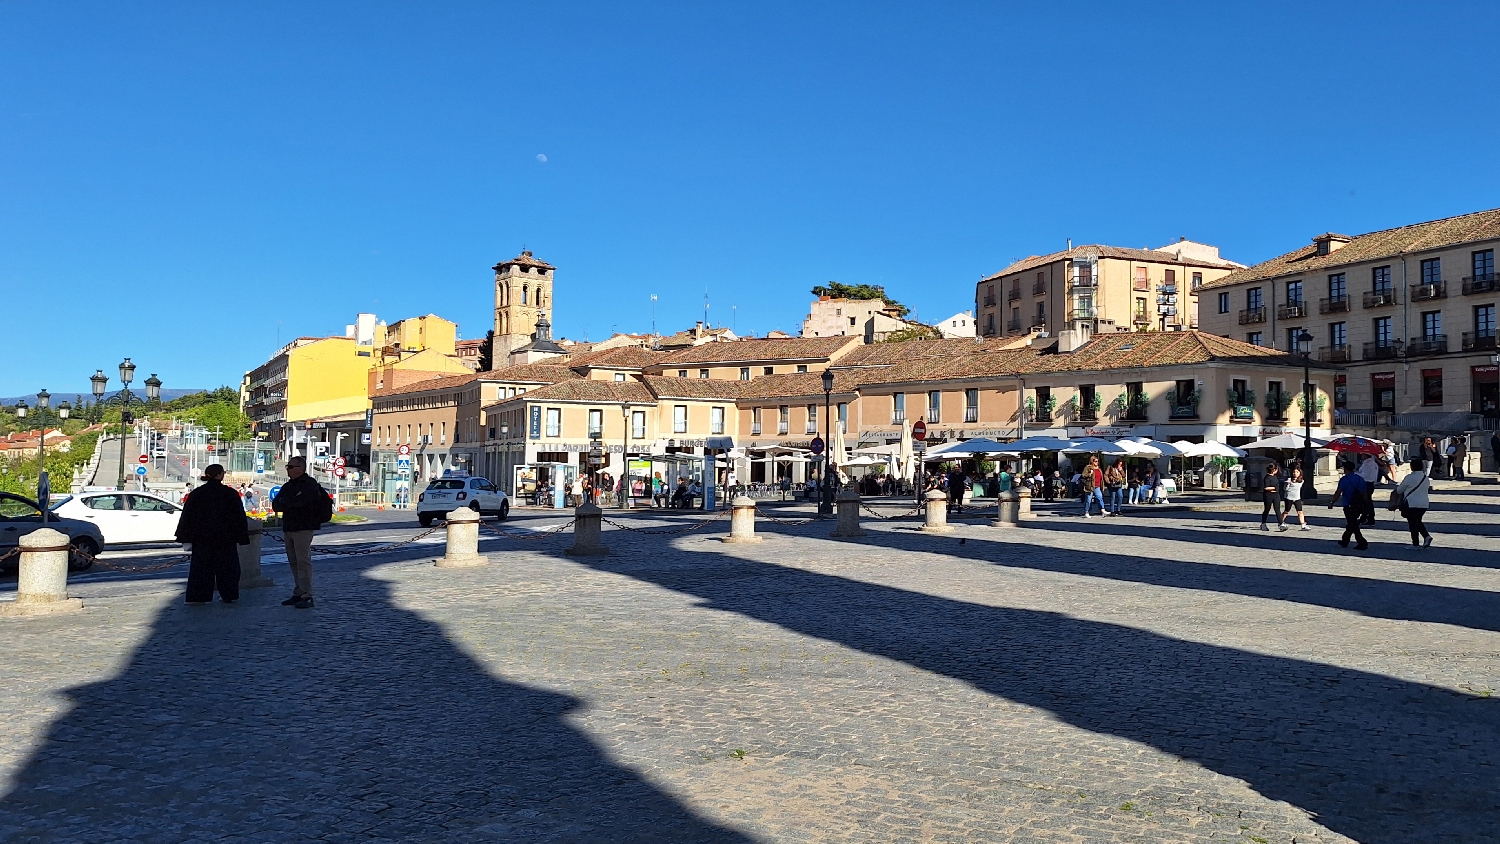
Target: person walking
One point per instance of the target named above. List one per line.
(1495, 449)
(1369, 472)
(1413, 499)
(249, 497)
(1271, 492)
(1350, 494)
(1431, 458)
(1114, 484)
(304, 506)
(1091, 481)
(1460, 455)
(1291, 498)
(213, 522)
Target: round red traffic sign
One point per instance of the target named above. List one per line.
(338, 471)
(816, 446)
(919, 430)
(340, 462)
(404, 450)
(145, 460)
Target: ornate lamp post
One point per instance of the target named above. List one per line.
(99, 380)
(1309, 407)
(624, 480)
(153, 390)
(43, 485)
(825, 489)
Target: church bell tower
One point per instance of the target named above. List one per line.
(523, 296)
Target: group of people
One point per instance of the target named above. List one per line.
(1410, 497)
(1110, 487)
(1447, 459)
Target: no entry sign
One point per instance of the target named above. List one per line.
(145, 460)
(919, 430)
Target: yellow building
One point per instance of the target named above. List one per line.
(308, 386)
(423, 333)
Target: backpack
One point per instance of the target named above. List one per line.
(324, 506)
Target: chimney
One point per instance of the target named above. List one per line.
(1329, 242)
(1070, 243)
(698, 329)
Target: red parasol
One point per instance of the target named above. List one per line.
(1356, 445)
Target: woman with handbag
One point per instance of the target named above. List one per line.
(1411, 499)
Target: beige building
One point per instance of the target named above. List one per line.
(744, 360)
(1109, 288)
(872, 320)
(1410, 313)
(523, 296)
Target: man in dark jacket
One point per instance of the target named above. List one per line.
(304, 507)
(213, 521)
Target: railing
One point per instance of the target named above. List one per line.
(898, 417)
(1333, 305)
(1090, 281)
(1013, 325)
(1140, 284)
(989, 301)
(1083, 313)
(1380, 298)
(754, 430)
(1277, 413)
(1253, 315)
(1477, 340)
(1424, 292)
(1141, 319)
(971, 415)
(1436, 344)
(1013, 295)
(812, 428)
(1335, 354)
(1291, 310)
(1038, 321)
(783, 428)
(1480, 284)
(1088, 414)
(1382, 350)
(1039, 288)
(360, 498)
(1135, 412)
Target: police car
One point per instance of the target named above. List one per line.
(457, 489)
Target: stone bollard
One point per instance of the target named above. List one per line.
(587, 532)
(1023, 507)
(937, 512)
(742, 521)
(848, 512)
(42, 585)
(1007, 509)
(463, 541)
(251, 576)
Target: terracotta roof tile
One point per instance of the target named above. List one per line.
(587, 389)
(622, 357)
(791, 348)
(525, 259)
(693, 388)
(801, 384)
(533, 373)
(1161, 256)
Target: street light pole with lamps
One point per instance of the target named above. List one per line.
(825, 501)
(1309, 407)
(43, 485)
(624, 480)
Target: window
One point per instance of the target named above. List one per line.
(1087, 394)
(1382, 331)
(1253, 298)
(1432, 386)
(144, 503)
(1223, 303)
(754, 420)
(843, 411)
(1294, 292)
(1484, 265)
(812, 419)
(989, 324)
(1241, 388)
(801, 367)
(682, 373)
(1336, 288)
(1169, 278)
(1254, 338)
(1340, 391)
(1140, 308)
(971, 406)
(784, 419)
(852, 322)
(702, 373)
(444, 437)
(524, 294)
(768, 370)
(638, 424)
(596, 423)
(898, 405)
(1484, 321)
(554, 421)
(1432, 272)
(934, 406)
(1291, 340)
(1276, 400)
(1380, 280)
(989, 294)
(105, 502)
(1015, 319)
(1337, 334)
(1041, 313)
(1044, 404)
(1432, 324)
(716, 420)
(679, 419)
(1141, 281)
(744, 373)
(1197, 280)
(619, 376)
(1135, 400)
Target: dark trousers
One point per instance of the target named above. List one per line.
(1269, 503)
(1352, 516)
(214, 566)
(1414, 524)
(1367, 508)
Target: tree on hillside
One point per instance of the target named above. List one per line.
(835, 290)
(915, 332)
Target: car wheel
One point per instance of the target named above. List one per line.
(474, 505)
(504, 509)
(425, 519)
(78, 562)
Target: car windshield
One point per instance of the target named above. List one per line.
(17, 509)
(446, 484)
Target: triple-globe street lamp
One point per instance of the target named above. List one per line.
(43, 485)
(825, 502)
(100, 382)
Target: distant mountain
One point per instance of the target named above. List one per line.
(88, 396)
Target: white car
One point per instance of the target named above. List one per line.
(445, 494)
(125, 518)
(20, 516)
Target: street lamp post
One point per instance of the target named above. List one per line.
(43, 485)
(99, 380)
(1309, 407)
(127, 374)
(624, 480)
(825, 502)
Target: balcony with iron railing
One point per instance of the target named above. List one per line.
(1038, 321)
(1380, 298)
(1013, 294)
(1382, 350)
(1475, 341)
(1249, 316)
(1039, 288)
(897, 417)
(1291, 310)
(1433, 344)
(971, 415)
(1335, 354)
(989, 301)
(1487, 283)
(812, 428)
(783, 428)
(1276, 407)
(1136, 411)
(1085, 281)
(1333, 305)
(1083, 313)
(1426, 292)
(1013, 325)
(755, 429)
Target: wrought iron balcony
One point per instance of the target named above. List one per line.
(1335, 354)
(971, 415)
(755, 429)
(1013, 325)
(1086, 281)
(1291, 310)
(1474, 341)
(1333, 305)
(1382, 350)
(1013, 295)
(1249, 316)
(1435, 344)
(1424, 292)
(1039, 288)
(1141, 319)
(989, 301)
(1486, 283)
(1038, 321)
(1083, 313)
(1380, 298)
(783, 428)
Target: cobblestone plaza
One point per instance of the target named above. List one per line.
(1173, 676)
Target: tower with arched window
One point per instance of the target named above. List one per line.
(523, 295)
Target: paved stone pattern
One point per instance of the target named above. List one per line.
(1171, 677)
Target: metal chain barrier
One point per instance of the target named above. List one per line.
(789, 522)
(174, 561)
(537, 534)
(872, 511)
(668, 531)
(379, 549)
(11, 553)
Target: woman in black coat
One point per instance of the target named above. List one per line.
(213, 521)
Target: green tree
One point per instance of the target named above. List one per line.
(915, 332)
(836, 290)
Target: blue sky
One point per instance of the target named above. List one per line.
(185, 182)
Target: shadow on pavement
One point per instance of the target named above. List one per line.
(1378, 759)
(353, 721)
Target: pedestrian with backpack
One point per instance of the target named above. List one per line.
(1351, 494)
(304, 507)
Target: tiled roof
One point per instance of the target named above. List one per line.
(1390, 243)
(526, 260)
(791, 348)
(587, 389)
(1160, 256)
(620, 357)
(800, 384)
(886, 354)
(430, 384)
(531, 373)
(692, 388)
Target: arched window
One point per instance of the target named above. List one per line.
(523, 294)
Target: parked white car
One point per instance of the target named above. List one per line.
(125, 518)
(445, 494)
(20, 516)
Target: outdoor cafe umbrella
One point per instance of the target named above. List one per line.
(1212, 448)
(979, 445)
(1036, 443)
(1093, 446)
(836, 444)
(1355, 445)
(1284, 442)
(1136, 448)
(908, 452)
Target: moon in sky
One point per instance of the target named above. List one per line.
(541, 158)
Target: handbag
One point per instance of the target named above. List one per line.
(1398, 498)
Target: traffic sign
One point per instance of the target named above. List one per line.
(919, 430)
(816, 446)
(339, 463)
(275, 491)
(140, 470)
(145, 460)
(404, 450)
(338, 471)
